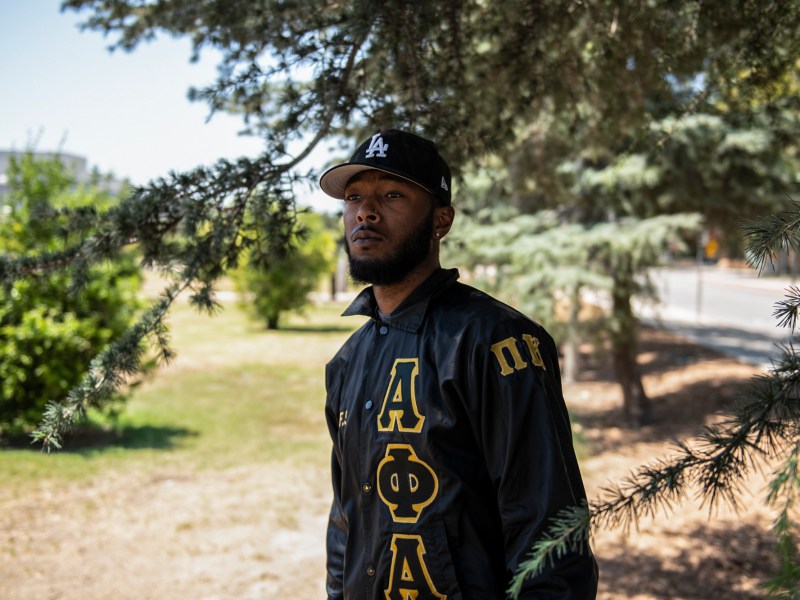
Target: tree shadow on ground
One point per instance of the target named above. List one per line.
(688, 385)
(713, 561)
(659, 351)
(677, 415)
(93, 438)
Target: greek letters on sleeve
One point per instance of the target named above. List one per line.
(511, 356)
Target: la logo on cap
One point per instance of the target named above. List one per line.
(377, 147)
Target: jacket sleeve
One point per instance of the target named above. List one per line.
(336, 538)
(524, 432)
(337, 525)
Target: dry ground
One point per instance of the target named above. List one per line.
(685, 553)
(258, 532)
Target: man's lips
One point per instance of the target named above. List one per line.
(363, 235)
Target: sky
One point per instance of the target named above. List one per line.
(127, 113)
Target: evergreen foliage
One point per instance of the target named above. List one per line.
(556, 270)
(49, 334)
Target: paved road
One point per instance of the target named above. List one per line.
(729, 310)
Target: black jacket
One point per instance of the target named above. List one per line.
(451, 451)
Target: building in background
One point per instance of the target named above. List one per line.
(76, 165)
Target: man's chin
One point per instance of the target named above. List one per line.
(371, 271)
(366, 271)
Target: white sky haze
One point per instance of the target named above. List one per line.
(126, 113)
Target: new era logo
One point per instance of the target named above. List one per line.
(444, 185)
(377, 147)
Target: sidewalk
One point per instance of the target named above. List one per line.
(749, 347)
(755, 341)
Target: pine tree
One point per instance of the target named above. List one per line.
(555, 270)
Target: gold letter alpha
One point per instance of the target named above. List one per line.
(399, 411)
(409, 578)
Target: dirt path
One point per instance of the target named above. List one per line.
(241, 533)
(258, 532)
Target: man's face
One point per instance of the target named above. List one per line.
(388, 227)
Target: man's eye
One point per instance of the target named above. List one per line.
(351, 197)
(394, 195)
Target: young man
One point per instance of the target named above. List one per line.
(452, 446)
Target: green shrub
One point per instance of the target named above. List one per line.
(48, 333)
(275, 284)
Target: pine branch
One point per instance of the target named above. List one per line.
(13, 268)
(783, 493)
(786, 311)
(769, 234)
(568, 531)
(715, 463)
(108, 371)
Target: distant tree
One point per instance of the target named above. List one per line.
(273, 284)
(50, 331)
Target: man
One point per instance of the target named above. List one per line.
(452, 447)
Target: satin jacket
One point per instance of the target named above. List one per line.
(452, 449)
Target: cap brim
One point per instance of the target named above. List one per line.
(334, 181)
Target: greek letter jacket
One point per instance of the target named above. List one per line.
(452, 449)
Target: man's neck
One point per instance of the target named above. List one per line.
(391, 296)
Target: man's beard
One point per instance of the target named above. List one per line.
(394, 268)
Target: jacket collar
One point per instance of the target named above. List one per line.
(411, 312)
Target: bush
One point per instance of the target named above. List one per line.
(274, 284)
(48, 334)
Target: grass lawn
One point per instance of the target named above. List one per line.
(236, 394)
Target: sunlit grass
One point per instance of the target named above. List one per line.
(236, 394)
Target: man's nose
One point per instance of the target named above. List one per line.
(368, 211)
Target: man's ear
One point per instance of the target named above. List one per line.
(442, 220)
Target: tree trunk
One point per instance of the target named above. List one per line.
(635, 403)
(570, 372)
(272, 322)
(624, 350)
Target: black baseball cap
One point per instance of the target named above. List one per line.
(400, 153)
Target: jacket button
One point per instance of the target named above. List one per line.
(383, 330)
(371, 571)
(366, 488)
(368, 405)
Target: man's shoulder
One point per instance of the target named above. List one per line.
(351, 342)
(468, 309)
(472, 303)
